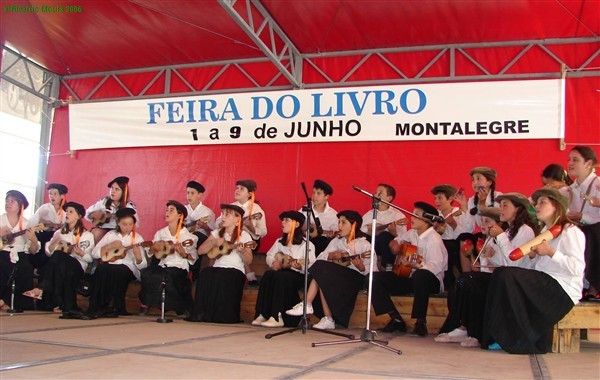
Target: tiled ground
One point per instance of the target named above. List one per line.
(39, 345)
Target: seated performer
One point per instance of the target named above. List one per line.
(18, 242)
(219, 287)
(280, 284)
(454, 224)
(254, 221)
(466, 299)
(327, 219)
(52, 216)
(70, 251)
(174, 245)
(200, 220)
(390, 224)
(420, 271)
(122, 256)
(102, 213)
(483, 182)
(338, 274)
(522, 304)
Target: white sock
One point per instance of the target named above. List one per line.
(251, 276)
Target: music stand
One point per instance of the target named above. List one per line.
(367, 335)
(304, 325)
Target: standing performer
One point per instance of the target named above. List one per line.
(338, 285)
(279, 286)
(174, 245)
(102, 213)
(52, 216)
(219, 288)
(483, 182)
(254, 222)
(423, 260)
(70, 251)
(120, 266)
(326, 215)
(200, 220)
(523, 305)
(17, 242)
(390, 224)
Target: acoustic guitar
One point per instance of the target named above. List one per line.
(8, 239)
(382, 227)
(408, 252)
(115, 254)
(169, 248)
(226, 248)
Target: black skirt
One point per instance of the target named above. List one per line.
(278, 292)
(109, 287)
(466, 303)
(522, 307)
(178, 288)
(218, 295)
(340, 286)
(22, 274)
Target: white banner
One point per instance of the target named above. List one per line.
(530, 109)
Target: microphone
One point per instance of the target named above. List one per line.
(433, 218)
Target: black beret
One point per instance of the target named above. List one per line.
(62, 189)
(426, 207)
(79, 208)
(320, 184)
(121, 181)
(294, 215)
(196, 185)
(21, 200)
(235, 208)
(249, 184)
(352, 217)
(125, 211)
(179, 206)
(446, 189)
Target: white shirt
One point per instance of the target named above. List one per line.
(431, 248)
(233, 259)
(388, 216)
(86, 244)
(201, 212)
(20, 243)
(129, 260)
(260, 225)
(47, 213)
(506, 246)
(295, 251)
(568, 263)
(328, 218)
(472, 221)
(462, 224)
(112, 222)
(591, 214)
(356, 247)
(175, 260)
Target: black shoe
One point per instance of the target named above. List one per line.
(420, 329)
(253, 283)
(394, 326)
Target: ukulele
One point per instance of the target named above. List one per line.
(191, 226)
(115, 254)
(408, 252)
(9, 238)
(64, 247)
(287, 260)
(347, 258)
(382, 227)
(169, 248)
(100, 217)
(227, 248)
(51, 226)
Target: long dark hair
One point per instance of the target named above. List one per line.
(298, 236)
(523, 217)
(79, 228)
(556, 173)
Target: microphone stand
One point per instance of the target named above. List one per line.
(367, 335)
(304, 324)
(163, 286)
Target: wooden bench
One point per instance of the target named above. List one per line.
(566, 334)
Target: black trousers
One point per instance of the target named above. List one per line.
(22, 274)
(109, 287)
(63, 274)
(421, 284)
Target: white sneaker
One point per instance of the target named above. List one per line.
(299, 308)
(325, 323)
(272, 322)
(260, 319)
(455, 336)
